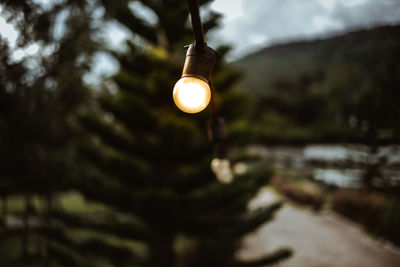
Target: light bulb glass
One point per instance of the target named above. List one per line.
(222, 170)
(191, 95)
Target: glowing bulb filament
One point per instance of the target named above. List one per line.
(191, 95)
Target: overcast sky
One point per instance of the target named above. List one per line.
(251, 24)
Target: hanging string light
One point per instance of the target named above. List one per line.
(193, 92)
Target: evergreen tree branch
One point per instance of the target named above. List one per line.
(271, 259)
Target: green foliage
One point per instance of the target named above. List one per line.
(341, 89)
(390, 219)
(378, 213)
(150, 163)
(300, 190)
(140, 184)
(39, 96)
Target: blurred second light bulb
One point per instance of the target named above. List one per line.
(222, 170)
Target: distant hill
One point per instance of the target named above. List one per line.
(289, 61)
(340, 89)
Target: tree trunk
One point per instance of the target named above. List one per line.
(4, 211)
(162, 253)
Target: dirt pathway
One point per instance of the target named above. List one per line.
(318, 240)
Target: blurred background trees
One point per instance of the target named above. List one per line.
(340, 89)
(112, 174)
(337, 91)
(143, 164)
(39, 96)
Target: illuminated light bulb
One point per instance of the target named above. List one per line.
(191, 95)
(222, 170)
(192, 92)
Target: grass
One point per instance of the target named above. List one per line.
(71, 201)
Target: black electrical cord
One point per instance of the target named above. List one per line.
(196, 24)
(216, 125)
(201, 45)
(213, 110)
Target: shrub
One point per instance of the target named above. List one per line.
(358, 206)
(390, 222)
(377, 213)
(301, 192)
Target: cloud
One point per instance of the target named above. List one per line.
(253, 24)
(235, 8)
(367, 13)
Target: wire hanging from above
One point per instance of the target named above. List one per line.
(196, 24)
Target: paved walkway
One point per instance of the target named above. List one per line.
(318, 240)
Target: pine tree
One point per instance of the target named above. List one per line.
(149, 163)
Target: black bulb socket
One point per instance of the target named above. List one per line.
(199, 63)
